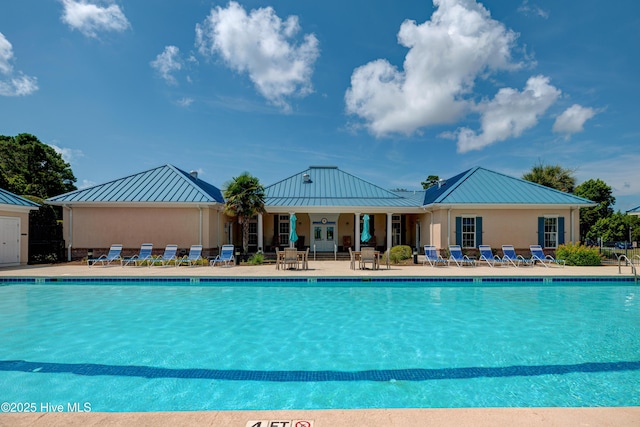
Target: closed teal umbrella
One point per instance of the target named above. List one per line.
(365, 236)
(293, 237)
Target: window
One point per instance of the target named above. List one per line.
(396, 230)
(468, 232)
(253, 232)
(283, 229)
(550, 232)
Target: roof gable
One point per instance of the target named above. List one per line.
(482, 186)
(8, 198)
(329, 186)
(162, 184)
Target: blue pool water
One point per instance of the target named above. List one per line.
(159, 347)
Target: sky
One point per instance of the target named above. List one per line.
(391, 91)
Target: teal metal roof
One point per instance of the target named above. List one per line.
(8, 198)
(162, 184)
(482, 186)
(329, 186)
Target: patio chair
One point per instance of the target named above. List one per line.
(352, 259)
(168, 256)
(459, 258)
(537, 255)
(195, 255)
(225, 257)
(432, 257)
(140, 258)
(291, 259)
(114, 253)
(368, 256)
(510, 257)
(486, 254)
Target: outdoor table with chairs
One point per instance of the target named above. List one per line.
(365, 256)
(292, 258)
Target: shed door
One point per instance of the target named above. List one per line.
(9, 241)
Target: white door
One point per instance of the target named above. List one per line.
(9, 241)
(324, 237)
(324, 232)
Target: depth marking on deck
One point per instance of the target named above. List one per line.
(279, 423)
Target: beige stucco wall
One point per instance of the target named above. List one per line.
(99, 227)
(517, 227)
(24, 232)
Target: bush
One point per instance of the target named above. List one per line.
(256, 259)
(399, 253)
(577, 254)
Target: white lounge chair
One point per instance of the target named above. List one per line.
(537, 255)
(432, 257)
(195, 255)
(459, 258)
(168, 256)
(225, 256)
(145, 255)
(486, 254)
(511, 257)
(114, 254)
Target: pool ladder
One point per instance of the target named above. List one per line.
(628, 261)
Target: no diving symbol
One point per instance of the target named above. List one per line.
(303, 424)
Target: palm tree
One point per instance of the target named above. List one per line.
(552, 176)
(244, 198)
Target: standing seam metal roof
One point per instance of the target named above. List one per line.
(162, 184)
(482, 186)
(8, 198)
(329, 186)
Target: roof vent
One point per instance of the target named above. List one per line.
(442, 182)
(194, 174)
(306, 178)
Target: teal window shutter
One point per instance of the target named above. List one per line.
(541, 231)
(458, 230)
(561, 230)
(478, 231)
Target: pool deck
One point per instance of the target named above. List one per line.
(516, 417)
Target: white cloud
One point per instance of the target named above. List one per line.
(185, 102)
(13, 83)
(68, 154)
(460, 43)
(528, 9)
(572, 120)
(86, 183)
(90, 17)
(509, 114)
(263, 46)
(168, 62)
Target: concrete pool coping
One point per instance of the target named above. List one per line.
(609, 416)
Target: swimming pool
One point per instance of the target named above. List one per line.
(182, 345)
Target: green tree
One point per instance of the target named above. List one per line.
(615, 227)
(552, 176)
(30, 167)
(244, 197)
(430, 181)
(599, 192)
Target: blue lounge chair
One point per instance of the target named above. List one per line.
(195, 255)
(461, 260)
(168, 256)
(225, 256)
(537, 255)
(486, 254)
(510, 257)
(115, 252)
(432, 257)
(140, 258)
